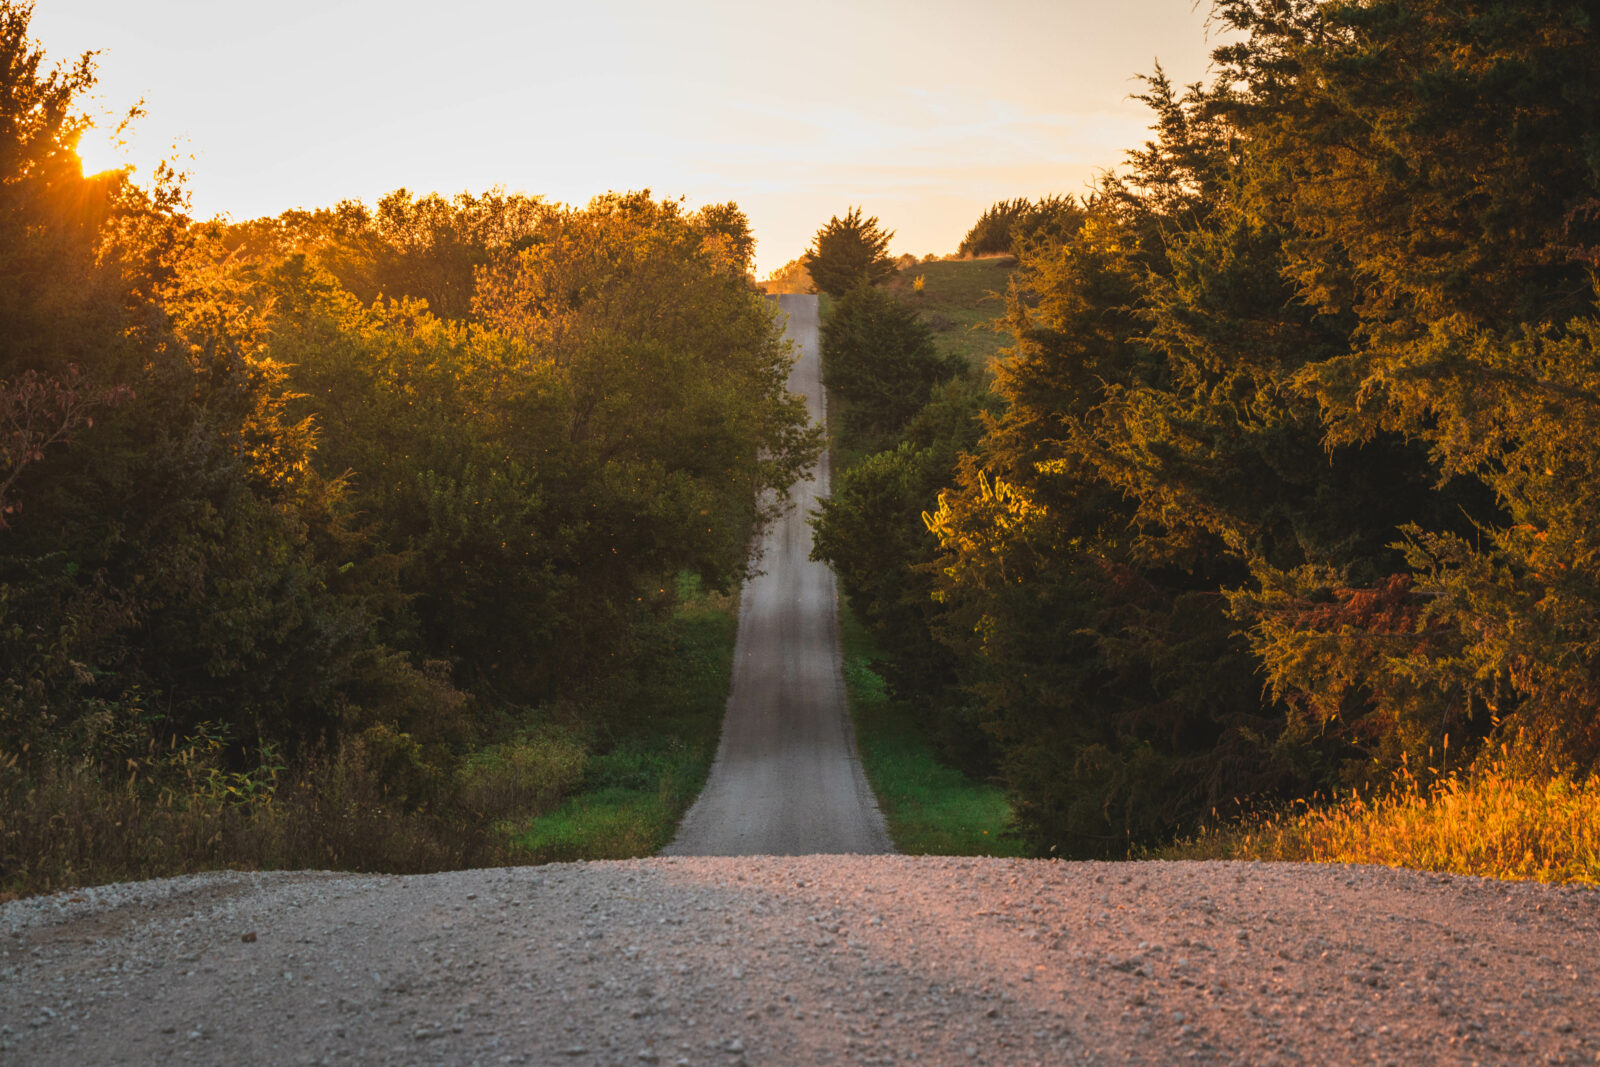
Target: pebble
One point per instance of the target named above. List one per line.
(910, 972)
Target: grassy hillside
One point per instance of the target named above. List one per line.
(960, 299)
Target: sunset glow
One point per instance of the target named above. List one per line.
(923, 113)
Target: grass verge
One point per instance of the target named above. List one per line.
(931, 809)
(1488, 822)
(960, 299)
(634, 792)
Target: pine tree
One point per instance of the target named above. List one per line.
(847, 251)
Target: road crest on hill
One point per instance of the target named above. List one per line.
(787, 780)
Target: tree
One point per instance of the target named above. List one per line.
(879, 361)
(847, 251)
(178, 565)
(730, 223)
(792, 277)
(425, 248)
(991, 234)
(1010, 226)
(1430, 161)
(870, 530)
(1310, 392)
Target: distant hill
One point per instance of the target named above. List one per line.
(960, 299)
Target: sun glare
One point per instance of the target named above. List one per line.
(100, 151)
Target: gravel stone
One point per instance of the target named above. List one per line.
(930, 960)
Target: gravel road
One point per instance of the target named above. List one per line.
(818, 959)
(787, 780)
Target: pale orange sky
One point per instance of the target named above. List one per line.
(923, 113)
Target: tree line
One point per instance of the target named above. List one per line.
(362, 483)
(1288, 474)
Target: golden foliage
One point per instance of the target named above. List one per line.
(1493, 821)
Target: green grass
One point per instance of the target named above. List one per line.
(634, 792)
(931, 809)
(960, 299)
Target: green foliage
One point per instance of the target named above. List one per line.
(991, 234)
(1294, 372)
(302, 513)
(1010, 226)
(847, 252)
(871, 531)
(425, 248)
(1460, 244)
(932, 808)
(635, 791)
(526, 775)
(165, 548)
(879, 364)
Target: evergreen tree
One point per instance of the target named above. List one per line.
(880, 364)
(1011, 225)
(848, 251)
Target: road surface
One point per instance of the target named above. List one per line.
(832, 960)
(787, 780)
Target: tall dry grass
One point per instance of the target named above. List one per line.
(179, 810)
(604, 777)
(1490, 821)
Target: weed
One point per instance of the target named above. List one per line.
(379, 802)
(1489, 821)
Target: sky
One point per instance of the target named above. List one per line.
(923, 114)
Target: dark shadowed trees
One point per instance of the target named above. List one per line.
(1307, 397)
(880, 363)
(847, 251)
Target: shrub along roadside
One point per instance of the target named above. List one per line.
(932, 809)
(557, 785)
(1493, 821)
(634, 793)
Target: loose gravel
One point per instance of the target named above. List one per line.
(816, 959)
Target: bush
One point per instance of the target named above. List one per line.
(182, 808)
(529, 775)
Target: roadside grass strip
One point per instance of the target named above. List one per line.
(634, 792)
(931, 808)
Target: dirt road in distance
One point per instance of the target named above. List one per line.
(787, 780)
